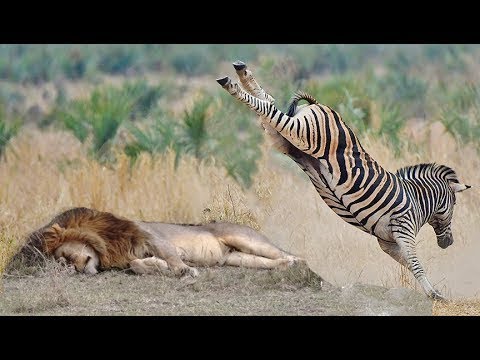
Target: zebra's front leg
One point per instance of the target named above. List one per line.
(405, 254)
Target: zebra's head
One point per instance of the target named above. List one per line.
(441, 220)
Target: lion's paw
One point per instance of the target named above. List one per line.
(194, 272)
(190, 271)
(294, 260)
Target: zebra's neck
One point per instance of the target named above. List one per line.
(425, 199)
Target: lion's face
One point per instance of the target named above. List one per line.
(80, 255)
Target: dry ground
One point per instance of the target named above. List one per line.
(217, 291)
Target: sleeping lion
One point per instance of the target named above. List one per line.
(93, 240)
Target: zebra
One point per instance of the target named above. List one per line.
(390, 206)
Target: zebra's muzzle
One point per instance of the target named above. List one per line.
(445, 240)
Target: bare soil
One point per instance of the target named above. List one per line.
(224, 291)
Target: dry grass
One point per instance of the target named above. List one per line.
(466, 307)
(47, 172)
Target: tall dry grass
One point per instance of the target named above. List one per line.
(47, 172)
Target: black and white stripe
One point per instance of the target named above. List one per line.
(391, 206)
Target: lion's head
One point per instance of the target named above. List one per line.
(78, 247)
(114, 241)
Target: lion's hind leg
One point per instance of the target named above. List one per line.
(247, 240)
(164, 249)
(240, 259)
(149, 265)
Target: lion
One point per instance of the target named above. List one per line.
(91, 241)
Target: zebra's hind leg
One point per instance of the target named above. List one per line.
(249, 83)
(406, 255)
(251, 86)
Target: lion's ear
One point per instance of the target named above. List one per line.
(53, 237)
(57, 228)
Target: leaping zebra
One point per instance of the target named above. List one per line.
(392, 207)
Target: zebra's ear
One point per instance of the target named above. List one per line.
(458, 187)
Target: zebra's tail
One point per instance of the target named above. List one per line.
(299, 95)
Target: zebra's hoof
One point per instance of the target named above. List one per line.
(239, 65)
(224, 81)
(438, 297)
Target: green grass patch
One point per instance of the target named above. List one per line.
(8, 129)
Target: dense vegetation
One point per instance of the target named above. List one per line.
(377, 89)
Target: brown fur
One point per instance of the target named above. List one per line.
(116, 240)
(94, 240)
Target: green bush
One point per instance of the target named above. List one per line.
(75, 63)
(431, 81)
(208, 130)
(408, 91)
(463, 97)
(101, 115)
(118, 59)
(8, 129)
(347, 95)
(153, 137)
(144, 96)
(465, 126)
(352, 114)
(459, 105)
(279, 75)
(191, 61)
(11, 99)
(461, 125)
(448, 55)
(391, 124)
(97, 118)
(194, 126)
(186, 137)
(38, 62)
(235, 139)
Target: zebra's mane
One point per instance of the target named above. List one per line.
(415, 172)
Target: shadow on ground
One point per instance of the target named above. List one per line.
(217, 291)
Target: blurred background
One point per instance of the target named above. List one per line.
(146, 132)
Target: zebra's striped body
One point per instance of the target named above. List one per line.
(393, 207)
(347, 178)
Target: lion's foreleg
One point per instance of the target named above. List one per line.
(148, 265)
(167, 251)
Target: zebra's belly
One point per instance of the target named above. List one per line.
(362, 217)
(375, 224)
(341, 210)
